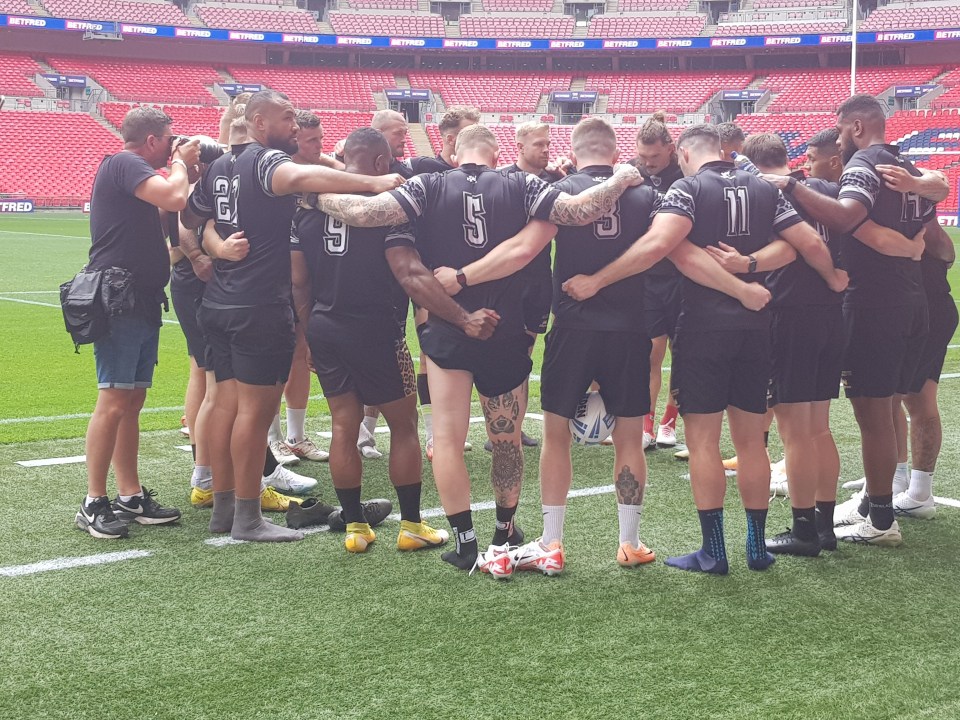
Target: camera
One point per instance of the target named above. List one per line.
(210, 149)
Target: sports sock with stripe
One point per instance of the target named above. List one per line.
(504, 524)
(669, 415)
(805, 523)
(296, 420)
(712, 556)
(553, 517)
(757, 556)
(465, 555)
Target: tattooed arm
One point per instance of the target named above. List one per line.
(358, 210)
(586, 207)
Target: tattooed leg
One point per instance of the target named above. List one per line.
(503, 414)
(630, 465)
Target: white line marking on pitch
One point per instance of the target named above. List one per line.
(69, 237)
(53, 461)
(66, 563)
(30, 292)
(386, 431)
(946, 501)
(58, 307)
(80, 416)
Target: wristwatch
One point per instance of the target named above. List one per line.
(461, 278)
(752, 266)
(791, 184)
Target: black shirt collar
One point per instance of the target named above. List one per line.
(718, 165)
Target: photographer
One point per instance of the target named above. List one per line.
(127, 231)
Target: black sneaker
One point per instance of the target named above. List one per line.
(374, 513)
(786, 543)
(98, 519)
(310, 512)
(145, 510)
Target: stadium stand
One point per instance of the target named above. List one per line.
(157, 13)
(15, 7)
(381, 4)
(516, 26)
(410, 25)
(234, 18)
(675, 25)
(909, 15)
(491, 91)
(320, 87)
(64, 178)
(780, 28)
(825, 88)
(543, 6)
(950, 98)
(775, 4)
(16, 76)
(652, 5)
(144, 81)
(675, 92)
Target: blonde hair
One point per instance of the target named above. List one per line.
(528, 128)
(476, 137)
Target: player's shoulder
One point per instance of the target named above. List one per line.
(824, 187)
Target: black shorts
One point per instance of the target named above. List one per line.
(714, 369)
(661, 304)
(253, 345)
(942, 311)
(807, 345)
(371, 361)
(186, 296)
(619, 361)
(883, 349)
(537, 298)
(498, 365)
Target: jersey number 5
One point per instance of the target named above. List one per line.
(474, 222)
(336, 235)
(738, 211)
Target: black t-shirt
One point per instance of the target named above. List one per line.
(735, 207)
(126, 230)
(879, 280)
(462, 214)
(424, 164)
(798, 284)
(236, 192)
(540, 268)
(664, 270)
(934, 271)
(349, 274)
(585, 250)
(401, 168)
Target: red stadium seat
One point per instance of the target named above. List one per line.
(16, 75)
(145, 81)
(234, 18)
(410, 25)
(674, 25)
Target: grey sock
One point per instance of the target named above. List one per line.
(248, 524)
(222, 519)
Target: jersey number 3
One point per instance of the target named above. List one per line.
(608, 226)
(336, 236)
(738, 211)
(474, 222)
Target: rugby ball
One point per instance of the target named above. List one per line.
(591, 424)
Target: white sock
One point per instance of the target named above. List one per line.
(88, 500)
(370, 423)
(273, 434)
(553, 516)
(365, 437)
(201, 474)
(921, 485)
(901, 478)
(629, 517)
(296, 419)
(128, 498)
(427, 422)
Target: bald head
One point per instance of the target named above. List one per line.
(272, 121)
(393, 125)
(861, 123)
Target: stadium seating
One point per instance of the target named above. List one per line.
(320, 87)
(675, 92)
(382, 4)
(15, 7)
(410, 25)
(156, 13)
(232, 18)
(906, 16)
(950, 98)
(825, 88)
(676, 25)
(774, 4)
(652, 5)
(144, 81)
(782, 28)
(515, 25)
(544, 6)
(16, 76)
(491, 91)
(64, 177)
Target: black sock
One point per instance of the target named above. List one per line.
(766, 438)
(409, 498)
(423, 390)
(711, 528)
(465, 537)
(504, 524)
(269, 463)
(881, 511)
(193, 451)
(864, 508)
(825, 510)
(350, 502)
(805, 523)
(757, 556)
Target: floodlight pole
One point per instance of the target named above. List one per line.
(853, 47)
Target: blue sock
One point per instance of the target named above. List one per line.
(712, 557)
(757, 556)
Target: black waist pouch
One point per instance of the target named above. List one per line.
(91, 298)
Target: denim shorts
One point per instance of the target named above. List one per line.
(126, 357)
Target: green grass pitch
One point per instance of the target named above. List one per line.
(307, 631)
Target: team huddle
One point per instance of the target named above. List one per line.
(769, 286)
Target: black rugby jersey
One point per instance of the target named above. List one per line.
(664, 270)
(587, 249)
(934, 272)
(349, 274)
(235, 191)
(540, 268)
(401, 168)
(880, 280)
(462, 214)
(799, 284)
(424, 164)
(735, 207)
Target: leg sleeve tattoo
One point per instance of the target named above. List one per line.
(629, 489)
